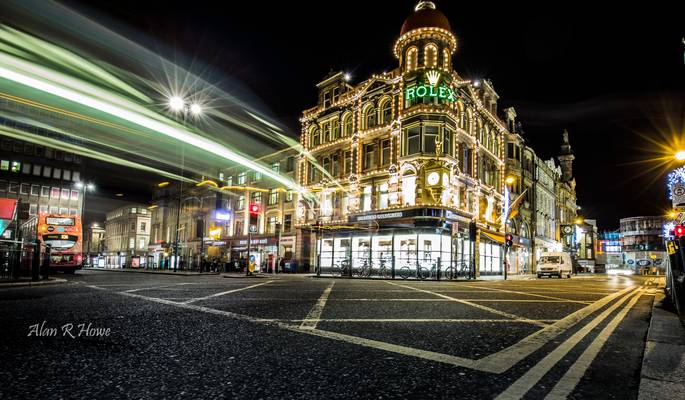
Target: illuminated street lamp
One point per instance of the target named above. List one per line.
(680, 155)
(579, 220)
(178, 105)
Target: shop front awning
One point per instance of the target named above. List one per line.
(494, 236)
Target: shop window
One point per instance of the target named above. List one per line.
(366, 198)
(409, 190)
(383, 196)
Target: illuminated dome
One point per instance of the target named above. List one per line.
(425, 16)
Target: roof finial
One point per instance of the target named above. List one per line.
(422, 5)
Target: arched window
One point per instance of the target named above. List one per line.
(430, 54)
(316, 137)
(347, 125)
(412, 58)
(386, 112)
(446, 58)
(370, 117)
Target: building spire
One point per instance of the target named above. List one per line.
(566, 158)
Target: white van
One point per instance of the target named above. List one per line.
(555, 264)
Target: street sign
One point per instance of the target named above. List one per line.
(253, 229)
(678, 194)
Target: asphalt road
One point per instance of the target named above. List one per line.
(303, 337)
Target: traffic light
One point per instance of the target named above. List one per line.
(254, 218)
(679, 231)
(508, 239)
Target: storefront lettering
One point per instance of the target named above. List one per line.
(372, 217)
(441, 92)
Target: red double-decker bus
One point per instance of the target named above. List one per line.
(64, 236)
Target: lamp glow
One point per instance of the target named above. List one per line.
(196, 109)
(176, 103)
(680, 156)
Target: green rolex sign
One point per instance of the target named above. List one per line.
(430, 90)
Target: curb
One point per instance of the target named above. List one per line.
(243, 276)
(662, 374)
(50, 281)
(143, 271)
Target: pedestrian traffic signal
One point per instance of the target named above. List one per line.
(508, 239)
(254, 208)
(679, 231)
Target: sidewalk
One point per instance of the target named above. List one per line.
(153, 271)
(663, 363)
(29, 282)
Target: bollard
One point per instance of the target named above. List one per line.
(438, 268)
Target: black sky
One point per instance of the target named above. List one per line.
(608, 75)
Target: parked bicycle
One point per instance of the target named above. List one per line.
(341, 268)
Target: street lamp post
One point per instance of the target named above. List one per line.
(178, 105)
(86, 187)
(507, 211)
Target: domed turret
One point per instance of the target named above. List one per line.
(425, 16)
(426, 40)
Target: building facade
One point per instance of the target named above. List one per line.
(407, 166)
(127, 233)
(642, 242)
(214, 219)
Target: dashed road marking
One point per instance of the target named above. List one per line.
(474, 305)
(314, 314)
(224, 293)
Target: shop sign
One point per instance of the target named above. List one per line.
(287, 240)
(430, 90)
(374, 217)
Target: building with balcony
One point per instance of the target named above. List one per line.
(407, 166)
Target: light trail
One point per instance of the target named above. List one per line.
(105, 105)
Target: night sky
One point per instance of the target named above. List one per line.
(613, 77)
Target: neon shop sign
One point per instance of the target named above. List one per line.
(430, 90)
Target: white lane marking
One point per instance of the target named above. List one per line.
(531, 294)
(495, 363)
(503, 360)
(526, 382)
(157, 287)
(413, 320)
(474, 305)
(223, 293)
(570, 380)
(312, 318)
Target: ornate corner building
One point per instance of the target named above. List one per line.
(406, 167)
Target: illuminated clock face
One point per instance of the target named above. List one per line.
(445, 180)
(568, 229)
(433, 178)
